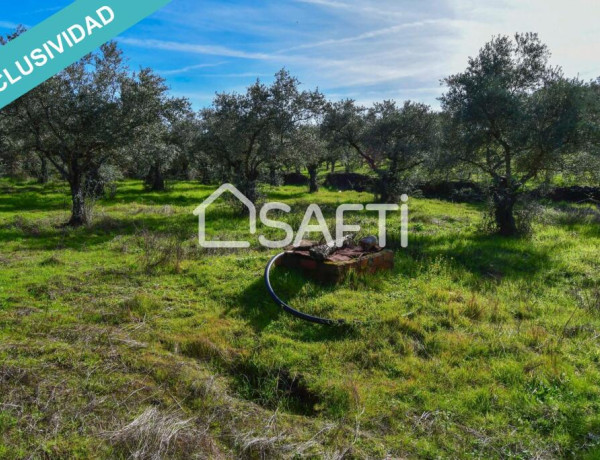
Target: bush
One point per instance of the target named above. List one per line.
(102, 184)
(527, 212)
(295, 179)
(350, 181)
(457, 191)
(574, 194)
(161, 251)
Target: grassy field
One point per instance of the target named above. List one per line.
(125, 338)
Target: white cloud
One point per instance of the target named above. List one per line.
(383, 9)
(328, 3)
(253, 75)
(366, 35)
(193, 48)
(188, 68)
(569, 28)
(378, 49)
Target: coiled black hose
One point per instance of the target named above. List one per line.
(311, 318)
(293, 311)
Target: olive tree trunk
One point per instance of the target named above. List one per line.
(80, 214)
(504, 201)
(273, 176)
(155, 179)
(250, 189)
(247, 183)
(389, 185)
(44, 173)
(313, 182)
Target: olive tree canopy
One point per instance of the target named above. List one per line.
(513, 116)
(81, 119)
(392, 140)
(247, 133)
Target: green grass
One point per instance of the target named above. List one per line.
(475, 346)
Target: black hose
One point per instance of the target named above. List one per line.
(311, 318)
(293, 311)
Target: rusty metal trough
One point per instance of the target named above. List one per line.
(339, 264)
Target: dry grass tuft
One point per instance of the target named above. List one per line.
(153, 435)
(161, 251)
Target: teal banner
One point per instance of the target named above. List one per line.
(64, 38)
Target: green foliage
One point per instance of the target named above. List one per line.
(83, 119)
(123, 339)
(392, 140)
(513, 116)
(246, 133)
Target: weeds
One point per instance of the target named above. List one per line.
(117, 342)
(160, 251)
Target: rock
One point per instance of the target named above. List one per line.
(368, 243)
(323, 251)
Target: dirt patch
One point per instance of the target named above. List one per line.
(273, 388)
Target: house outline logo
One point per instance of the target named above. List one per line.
(200, 211)
(312, 212)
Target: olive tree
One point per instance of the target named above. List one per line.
(81, 119)
(15, 154)
(585, 165)
(392, 140)
(345, 125)
(310, 151)
(249, 133)
(17, 158)
(11, 148)
(236, 134)
(513, 116)
(404, 137)
(295, 111)
(159, 141)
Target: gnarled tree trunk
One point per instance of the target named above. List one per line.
(389, 185)
(44, 173)
(248, 184)
(504, 201)
(273, 176)
(313, 182)
(155, 179)
(250, 189)
(79, 211)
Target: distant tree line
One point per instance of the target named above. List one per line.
(508, 120)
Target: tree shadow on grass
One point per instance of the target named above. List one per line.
(49, 233)
(35, 200)
(142, 197)
(181, 194)
(488, 256)
(256, 305)
(49, 236)
(55, 196)
(274, 195)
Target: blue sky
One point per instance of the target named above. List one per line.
(367, 50)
